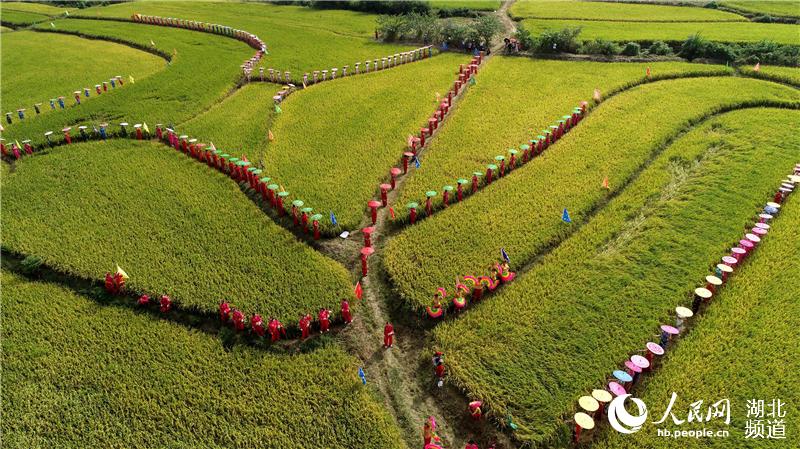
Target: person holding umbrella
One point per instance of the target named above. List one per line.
(324, 320)
(275, 329)
(224, 311)
(475, 410)
(238, 320)
(166, 304)
(346, 316)
(471, 445)
(388, 335)
(305, 325)
(258, 325)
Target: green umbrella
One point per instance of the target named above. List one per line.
(538, 138)
(273, 187)
(499, 158)
(253, 169)
(477, 174)
(316, 217)
(242, 163)
(296, 203)
(412, 205)
(462, 181)
(524, 147)
(430, 193)
(225, 156)
(567, 117)
(306, 210)
(256, 172)
(265, 179)
(283, 194)
(233, 160)
(450, 188)
(514, 152)
(491, 167)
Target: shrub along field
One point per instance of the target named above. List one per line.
(559, 329)
(176, 226)
(299, 39)
(205, 68)
(737, 350)
(522, 212)
(334, 143)
(678, 31)
(67, 63)
(543, 91)
(82, 375)
(618, 12)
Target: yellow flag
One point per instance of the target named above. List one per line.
(122, 273)
(146, 129)
(130, 78)
(152, 43)
(174, 52)
(282, 190)
(271, 136)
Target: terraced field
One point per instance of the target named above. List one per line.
(618, 276)
(522, 212)
(668, 165)
(300, 39)
(176, 226)
(471, 139)
(743, 329)
(138, 382)
(780, 8)
(82, 63)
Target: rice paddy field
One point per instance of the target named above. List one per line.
(192, 258)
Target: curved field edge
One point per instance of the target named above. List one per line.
(98, 61)
(604, 290)
(99, 376)
(543, 91)
(522, 211)
(333, 144)
(736, 350)
(177, 227)
(211, 63)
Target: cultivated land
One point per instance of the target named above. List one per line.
(335, 143)
(780, 8)
(679, 31)
(522, 212)
(88, 375)
(619, 12)
(486, 127)
(745, 327)
(618, 276)
(689, 164)
(80, 63)
(176, 226)
(299, 39)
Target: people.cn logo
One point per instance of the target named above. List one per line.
(621, 420)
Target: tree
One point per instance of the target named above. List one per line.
(487, 27)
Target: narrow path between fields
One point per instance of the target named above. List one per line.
(404, 374)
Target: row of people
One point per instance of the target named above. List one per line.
(473, 286)
(276, 329)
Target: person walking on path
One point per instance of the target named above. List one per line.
(388, 335)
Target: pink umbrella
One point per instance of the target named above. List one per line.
(616, 389)
(640, 361)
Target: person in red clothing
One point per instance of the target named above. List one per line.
(388, 335)
(438, 367)
(224, 311)
(275, 329)
(471, 445)
(258, 325)
(144, 300)
(475, 410)
(324, 320)
(346, 312)
(238, 320)
(166, 304)
(305, 325)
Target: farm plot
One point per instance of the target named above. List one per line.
(619, 12)
(176, 226)
(299, 39)
(788, 75)
(76, 63)
(39, 8)
(475, 5)
(203, 70)
(239, 123)
(678, 31)
(781, 8)
(737, 350)
(522, 211)
(80, 375)
(333, 144)
(572, 318)
(542, 92)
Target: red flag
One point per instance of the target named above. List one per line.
(270, 136)
(391, 212)
(605, 182)
(648, 72)
(359, 290)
